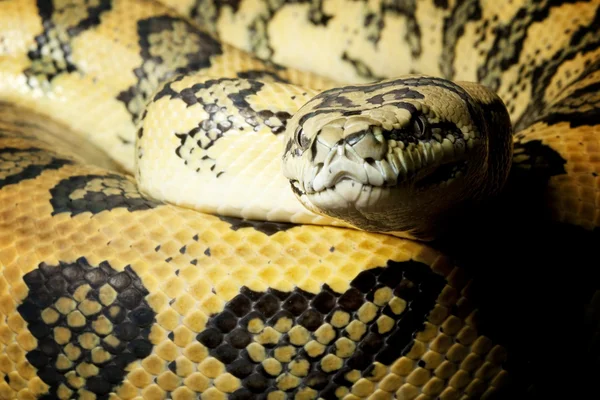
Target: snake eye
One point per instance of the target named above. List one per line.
(299, 134)
(302, 139)
(421, 126)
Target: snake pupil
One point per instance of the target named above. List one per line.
(421, 126)
(302, 139)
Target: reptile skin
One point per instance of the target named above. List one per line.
(107, 292)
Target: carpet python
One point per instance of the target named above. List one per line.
(113, 287)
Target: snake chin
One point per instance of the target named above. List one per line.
(414, 210)
(348, 194)
(347, 199)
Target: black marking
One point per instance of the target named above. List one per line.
(512, 37)
(227, 335)
(362, 69)
(288, 146)
(263, 75)
(395, 94)
(125, 141)
(299, 193)
(156, 68)
(441, 4)
(97, 201)
(580, 108)
(267, 305)
(27, 164)
(167, 90)
(172, 367)
(51, 55)
(374, 24)
(374, 21)
(335, 97)
(453, 30)
(258, 32)
(210, 337)
(316, 15)
(268, 228)
(210, 130)
(413, 30)
(208, 16)
(131, 325)
(542, 161)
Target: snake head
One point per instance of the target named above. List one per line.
(400, 155)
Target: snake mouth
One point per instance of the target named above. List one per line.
(360, 190)
(345, 196)
(418, 165)
(372, 204)
(376, 173)
(367, 189)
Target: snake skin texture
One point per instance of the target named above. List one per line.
(107, 293)
(182, 162)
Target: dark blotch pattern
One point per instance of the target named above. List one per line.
(582, 107)
(396, 94)
(163, 62)
(541, 160)
(262, 75)
(120, 323)
(408, 9)
(268, 228)
(97, 201)
(230, 333)
(206, 12)
(26, 164)
(223, 116)
(51, 55)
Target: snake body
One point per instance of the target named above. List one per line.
(396, 156)
(109, 292)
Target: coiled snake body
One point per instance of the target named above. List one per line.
(112, 287)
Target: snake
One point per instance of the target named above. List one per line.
(250, 199)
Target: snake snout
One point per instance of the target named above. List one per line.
(366, 145)
(357, 157)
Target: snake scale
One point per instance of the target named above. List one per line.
(112, 287)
